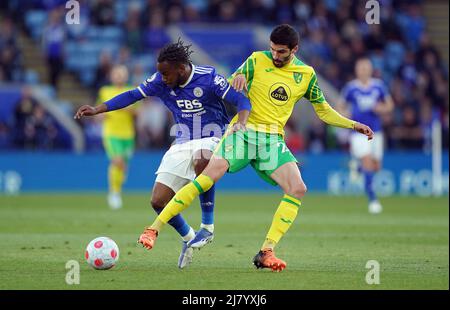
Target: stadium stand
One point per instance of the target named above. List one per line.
(75, 59)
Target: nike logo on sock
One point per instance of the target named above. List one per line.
(286, 221)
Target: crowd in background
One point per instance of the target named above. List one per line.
(333, 33)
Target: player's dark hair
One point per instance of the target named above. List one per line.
(285, 35)
(176, 53)
(363, 57)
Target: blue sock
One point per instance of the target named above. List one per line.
(178, 222)
(359, 168)
(207, 204)
(368, 185)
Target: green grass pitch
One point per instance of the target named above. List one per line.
(326, 248)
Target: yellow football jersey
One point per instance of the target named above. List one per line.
(119, 123)
(273, 91)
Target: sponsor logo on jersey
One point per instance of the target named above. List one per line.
(270, 69)
(190, 106)
(279, 94)
(220, 81)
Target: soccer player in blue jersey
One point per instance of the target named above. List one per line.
(366, 99)
(195, 95)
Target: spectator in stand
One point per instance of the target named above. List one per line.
(53, 40)
(40, 131)
(103, 13)
(155, 35)
(4, 135)
(294, 140)
(22, 114)
(409, 134)
(103, 70)
(133, 30)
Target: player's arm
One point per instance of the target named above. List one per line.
(224, 91)
(330, 116)
(243, 107)
(243, 76)
(118, 102)
(147, 88)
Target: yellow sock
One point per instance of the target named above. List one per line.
(282, 220)
(116, 177)
(182, 199)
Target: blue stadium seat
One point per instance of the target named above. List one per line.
(111, 33)
(147, 61)
(87, 77)
(92, 33)
(35, 21)
(31, 77)
(229, 45)
(71, 47)
(395, 53)
(48, 90)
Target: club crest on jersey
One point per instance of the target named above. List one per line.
(198, 92)
(279, 94)
(298, 77)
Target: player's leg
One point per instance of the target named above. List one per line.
(215, 169)
(164, 189)
(231, 154)
(276, 165)
(361, 149)
(222, 161)
(161, 195)
(371, 165)
(117, 151)
(116, 176)
(289, 178)
(206, 232)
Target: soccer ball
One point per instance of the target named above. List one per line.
(102, 253)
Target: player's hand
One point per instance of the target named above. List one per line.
(365, 130)
(239, 82)
(85, 110)
(238, 126)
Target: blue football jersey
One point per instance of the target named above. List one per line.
(363, 99)
(197, 106)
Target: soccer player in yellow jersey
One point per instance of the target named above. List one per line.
(118, 135)
(276, 80)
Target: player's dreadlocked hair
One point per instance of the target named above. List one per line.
(176, 53)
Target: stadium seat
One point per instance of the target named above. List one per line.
(31, 77)
(35, 21)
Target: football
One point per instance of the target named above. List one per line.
(102, 253)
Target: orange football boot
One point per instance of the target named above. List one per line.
(266, 259)
(148, 238)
